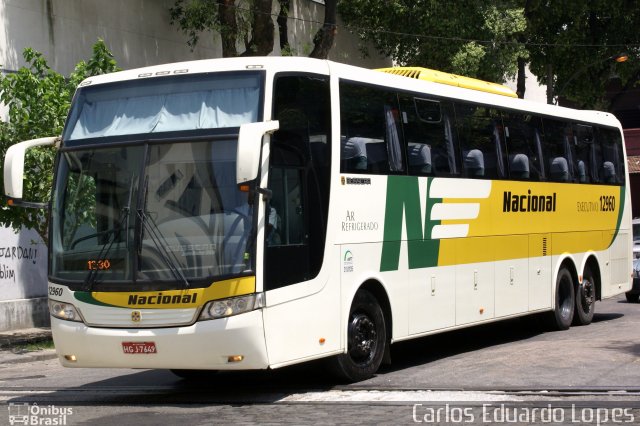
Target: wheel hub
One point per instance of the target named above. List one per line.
(587, 294)
(362, 337)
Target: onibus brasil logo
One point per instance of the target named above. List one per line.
(33, 414)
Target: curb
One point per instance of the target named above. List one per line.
(10, 341)
(18, 358)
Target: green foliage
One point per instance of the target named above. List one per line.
(38, 99)
(575, 40)
(437, 34)
(230, 19)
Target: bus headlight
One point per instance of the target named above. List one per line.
(231, 306)
(65, 311)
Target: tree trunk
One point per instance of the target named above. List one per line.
(228, 27)
(550, 84)
(323, 40)
(261, 42)
(283, 28)
(522, 82)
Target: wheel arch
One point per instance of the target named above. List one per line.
(591, 261)
(568, 262)
(378, 291)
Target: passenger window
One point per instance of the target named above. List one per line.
(370, 132)
(612, 166)
(429, 136)
(524, 146)
(481, 141)
(586, 156)
(557, 149)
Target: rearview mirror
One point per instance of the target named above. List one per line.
(14, 170)
(250, 147)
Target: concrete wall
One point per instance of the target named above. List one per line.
(138, 32)
(23, 280)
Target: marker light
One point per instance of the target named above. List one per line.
(64, 311)
(235, 358)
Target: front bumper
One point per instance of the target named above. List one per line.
(205, 345)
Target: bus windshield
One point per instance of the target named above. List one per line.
(155, 212)
(161, 105)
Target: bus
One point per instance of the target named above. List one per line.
(253, 213)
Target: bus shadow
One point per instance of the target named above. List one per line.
(450, 343)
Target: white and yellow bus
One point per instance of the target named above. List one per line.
(253, 213)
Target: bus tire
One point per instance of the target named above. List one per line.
(585, 299)
(194, 375)
(562, 315)
(366, 340)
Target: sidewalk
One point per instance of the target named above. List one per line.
(13, 346)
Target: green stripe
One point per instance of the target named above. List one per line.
(87, 297)
(403, 197)
(620, 213)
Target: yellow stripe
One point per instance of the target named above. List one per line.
(177, 299)
(583, 220)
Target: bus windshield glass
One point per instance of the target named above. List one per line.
(156, 212)
(160, 105)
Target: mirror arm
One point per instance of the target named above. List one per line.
(266, 193)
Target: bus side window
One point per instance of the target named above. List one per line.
(481, 141)
(370, 133)
(585, 166)
(612, 163)
(524, 150)
(429, 137)
(557, 156)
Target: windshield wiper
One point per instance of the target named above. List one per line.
(169, 258)
(92, 276)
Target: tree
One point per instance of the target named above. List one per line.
(465, 37)
(250, 20)
(38, 99)
(573, 44)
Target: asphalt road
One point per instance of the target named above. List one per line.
(480, 375)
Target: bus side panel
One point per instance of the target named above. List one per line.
(512, 277)
(540, 282)
(475, 282)
(620, 269)
(302, 321)
(432, 301)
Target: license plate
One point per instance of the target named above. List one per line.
(139, 347)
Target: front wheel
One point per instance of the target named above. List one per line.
(585, 299)
(562, 315)
(367, 339)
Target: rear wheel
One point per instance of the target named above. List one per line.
(367, 339)
(585, 299)
(562, 315)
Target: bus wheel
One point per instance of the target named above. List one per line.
(194, 375)
(367, 338)
(562, 315)
(585, 299)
